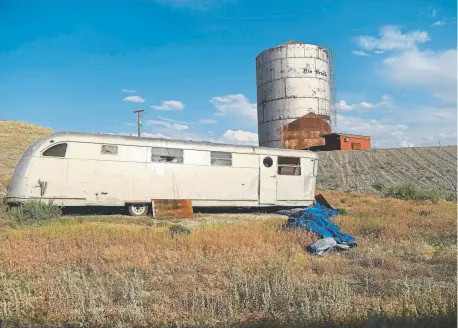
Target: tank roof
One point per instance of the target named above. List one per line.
(290, 42)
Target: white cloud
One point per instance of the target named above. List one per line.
(170, 105)
(130, 124)
(343, 106)
(409, 69)
(406, 126)
(365, 105)
(391, 38)
(433, 71)
(383, 135)
(439, 23)
(168, 125)
(173, 121)
(129, 91)
(134, 99)
(207, 121)
(235, 104)
(359, 53)
(240, 137)
(385, 102)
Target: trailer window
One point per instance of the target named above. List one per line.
(109, 149)
(289, 166)
(167, 155)
(221, 158)
(56, 151)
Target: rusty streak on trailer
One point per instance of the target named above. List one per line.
(305, 131)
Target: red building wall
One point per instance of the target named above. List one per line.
(336, 141)
(355, 143)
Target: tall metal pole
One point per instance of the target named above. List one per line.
(139, 119)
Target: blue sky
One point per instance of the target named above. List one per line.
(86, 65)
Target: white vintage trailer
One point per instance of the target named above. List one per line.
(81, 169)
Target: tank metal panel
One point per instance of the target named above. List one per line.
(293, 80)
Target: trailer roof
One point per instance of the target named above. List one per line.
(144, 141)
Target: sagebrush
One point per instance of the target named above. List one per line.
(35, 210)
(411, 191)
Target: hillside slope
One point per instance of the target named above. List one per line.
(357, 171)
(15, 137)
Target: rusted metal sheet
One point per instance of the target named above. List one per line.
(172, 208)
(305, 131)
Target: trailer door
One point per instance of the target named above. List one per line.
(267, 180)
(53, 174)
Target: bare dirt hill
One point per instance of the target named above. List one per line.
(15, 137)
(358, 171)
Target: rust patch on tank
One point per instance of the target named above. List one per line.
(172, 208)
(305, 131)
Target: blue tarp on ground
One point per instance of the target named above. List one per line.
(317, 218)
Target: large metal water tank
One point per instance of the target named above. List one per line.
(293, 95)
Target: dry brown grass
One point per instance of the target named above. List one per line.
(100, 271)
(15, 137)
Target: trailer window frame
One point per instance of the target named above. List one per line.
(167, 155)
(219, 158)
(287, 165)
(103, 150)
(47, 151)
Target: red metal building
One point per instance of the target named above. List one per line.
(342, 141)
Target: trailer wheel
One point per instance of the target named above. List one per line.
(137, 209)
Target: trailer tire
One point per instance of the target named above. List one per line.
(137, 209)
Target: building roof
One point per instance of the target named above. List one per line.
(345, 135)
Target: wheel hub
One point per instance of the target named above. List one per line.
(138, 209)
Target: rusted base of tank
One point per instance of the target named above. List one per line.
(305, 131)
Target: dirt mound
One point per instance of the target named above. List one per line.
(15, 137)
(358, 171)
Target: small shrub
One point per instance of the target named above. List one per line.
(379, 186)
(342, 211)
(425, 213)
(178, 229)
(3, 206)
(451, 197)
(35, 210)
(412, 192)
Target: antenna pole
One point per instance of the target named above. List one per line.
(139, 119)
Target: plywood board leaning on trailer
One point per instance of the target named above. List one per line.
(172, 208)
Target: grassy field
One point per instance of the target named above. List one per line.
(124, 272)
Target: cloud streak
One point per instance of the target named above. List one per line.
(234, 105)
(391, 38)
(169, 105)
(134, 99)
